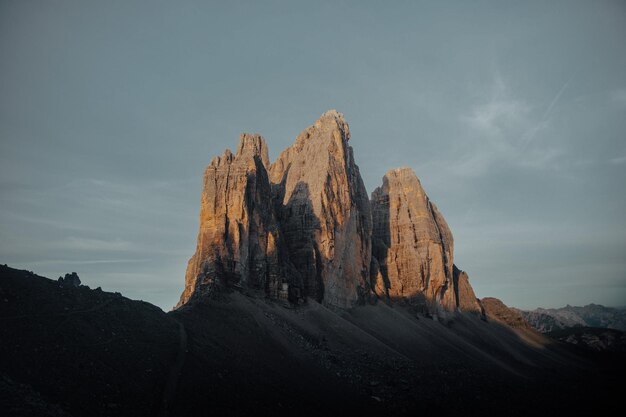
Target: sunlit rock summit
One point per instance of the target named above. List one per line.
(239, 238)
(414, 249)
(324, 214)
(304, 228)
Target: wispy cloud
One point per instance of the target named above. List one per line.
(88, 244)
(492, 117)
(87, 262)
(619, 96)
(530, 134)
(504, 125)
(618, 161)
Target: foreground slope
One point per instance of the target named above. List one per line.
(75, 351)
(80, 351)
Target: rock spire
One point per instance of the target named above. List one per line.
(304, 227)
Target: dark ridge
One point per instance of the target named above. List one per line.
(76, 352)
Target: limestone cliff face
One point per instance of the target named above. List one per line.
(413, 248)
(305, 227)
(238, 243)
(324, 213)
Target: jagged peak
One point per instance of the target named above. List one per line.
(403, 174)
(253, 144)
(250, 145)
(334, 114)
(225, 158)
(335, 118)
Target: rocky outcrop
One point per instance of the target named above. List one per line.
(69, 281)
(465, 298)
(238, 243)
(324, 213)
(496, 310)
(413, 248)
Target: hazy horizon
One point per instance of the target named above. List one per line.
(513, 116)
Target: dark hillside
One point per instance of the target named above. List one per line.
(77, 352)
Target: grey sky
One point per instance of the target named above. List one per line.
(513, 115)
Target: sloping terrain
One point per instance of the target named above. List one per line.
(86, 352)
(592, 338)
(375, 359)
(75, 352)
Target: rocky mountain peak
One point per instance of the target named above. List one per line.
(332, 119)
(225, 159)
(324, 212)
(413, 248)
(251, 145)
(304, 226)
(238, 237)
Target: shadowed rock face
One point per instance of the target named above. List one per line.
(413, 248)
(239, 238)
(465, 298)
(324, 212)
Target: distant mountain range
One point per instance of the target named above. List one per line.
(593, 327)
(547, 320)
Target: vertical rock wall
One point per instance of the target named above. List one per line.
(413, 247)
(305, 227)
(238, 239)
(324, 213)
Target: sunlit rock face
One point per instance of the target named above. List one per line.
(324, 213)
(496, 310)
(413, 248)
(304, 227)
(238, 242)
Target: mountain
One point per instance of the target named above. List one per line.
(316, 235)
(324, 214)
(239, 240)
(592, 315)
(413, 248)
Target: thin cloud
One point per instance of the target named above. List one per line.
(100, 245)
(619, 96)
(529, 136)
(504, 127)
(492, 117)
(501, 110)
(88, 262)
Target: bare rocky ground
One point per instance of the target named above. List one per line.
(78, 352)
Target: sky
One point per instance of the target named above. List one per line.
(512, 114)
